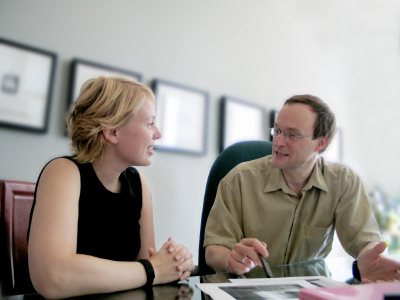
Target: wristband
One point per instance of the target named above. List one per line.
(356, 271)
(149, 272)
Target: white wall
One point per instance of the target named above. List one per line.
(263, 51)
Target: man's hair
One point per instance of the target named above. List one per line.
(103, 102)
(325, 123)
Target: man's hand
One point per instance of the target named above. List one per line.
(374, 266)
(244, 256)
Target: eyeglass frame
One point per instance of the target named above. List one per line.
(286, 134)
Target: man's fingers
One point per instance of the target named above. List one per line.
(259, 247)
(241, 251)
(248, 262)
(243, 260)
(236, 267)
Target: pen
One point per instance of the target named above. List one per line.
(267, 269)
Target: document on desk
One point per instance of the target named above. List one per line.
(265, 288)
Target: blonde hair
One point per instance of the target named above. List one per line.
(103, 102)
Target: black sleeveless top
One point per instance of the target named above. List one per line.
(108, 224)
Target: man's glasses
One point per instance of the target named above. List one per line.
(287, 134)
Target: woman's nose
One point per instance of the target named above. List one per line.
(157, 133)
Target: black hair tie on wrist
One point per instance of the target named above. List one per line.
(149, 272)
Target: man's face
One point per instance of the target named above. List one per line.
(298, 155)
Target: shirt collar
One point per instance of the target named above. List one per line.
(276, 180)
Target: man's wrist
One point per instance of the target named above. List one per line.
(356, 271)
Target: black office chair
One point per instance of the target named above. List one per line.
(226, 161)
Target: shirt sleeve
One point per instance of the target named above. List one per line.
(224, 224)
(355, 223)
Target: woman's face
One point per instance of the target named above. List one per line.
(137, 137)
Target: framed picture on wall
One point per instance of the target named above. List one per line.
(272, 117)
(27, 76)
(241, 121)
(182, 114)
(82, 70)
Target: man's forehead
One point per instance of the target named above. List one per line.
(296, 116)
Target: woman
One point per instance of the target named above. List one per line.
(91, 227)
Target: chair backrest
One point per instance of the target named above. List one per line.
(226, 161)
(16, 202)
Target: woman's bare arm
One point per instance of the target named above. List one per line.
(57, 271)
(146, 221)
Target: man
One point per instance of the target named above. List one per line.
(293, 200)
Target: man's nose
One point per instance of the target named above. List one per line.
(279, 140)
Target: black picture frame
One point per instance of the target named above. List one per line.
(241, 121)
(82, 70)
(272, 117)
(27, 77)
(182, 116)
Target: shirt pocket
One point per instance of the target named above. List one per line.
(316, 241)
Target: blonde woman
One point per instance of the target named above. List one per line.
(91, 227)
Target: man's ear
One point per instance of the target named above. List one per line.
(110, 135)
(321, 144)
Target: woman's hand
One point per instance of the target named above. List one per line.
(172, 262)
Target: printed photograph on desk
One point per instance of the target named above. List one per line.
(26, 84)
(266, 288)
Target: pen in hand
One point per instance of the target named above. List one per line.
(267, 269)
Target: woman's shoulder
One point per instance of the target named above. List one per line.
(60, 167)
(59, 162)
(131, 171)
(132, 174)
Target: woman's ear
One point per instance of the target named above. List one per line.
(110, 135)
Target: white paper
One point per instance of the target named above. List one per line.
(269, 288)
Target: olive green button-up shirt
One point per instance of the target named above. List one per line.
(254, 201)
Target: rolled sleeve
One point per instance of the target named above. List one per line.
(224, 224)
(355, 223)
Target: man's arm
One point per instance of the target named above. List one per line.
(240, 260)
(355, 223)
(217, 258)
(374, 266)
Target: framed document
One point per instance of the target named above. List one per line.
(181, 117)
(272, 117)
(82, 70)
(241, 121)
(27, 76)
